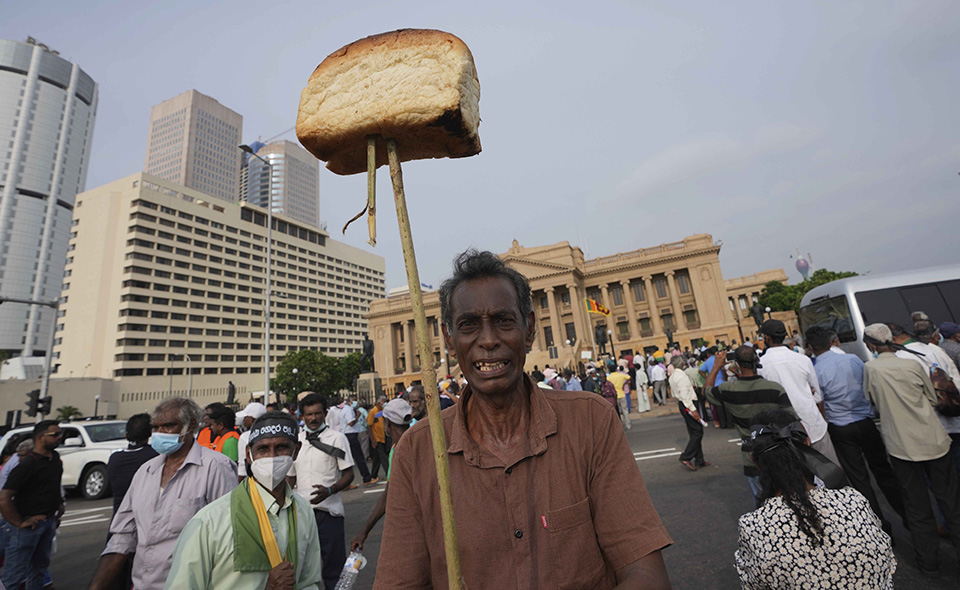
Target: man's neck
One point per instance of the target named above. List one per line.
(279, 493)
(39, 449)
(499, 423)
(180, 454)
(818, 353)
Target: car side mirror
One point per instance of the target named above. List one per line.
(73, 441)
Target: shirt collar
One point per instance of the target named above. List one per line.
(269, 502)
(193, 457)
(543, 423)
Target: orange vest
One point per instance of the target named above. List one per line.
(218, 445)
(204, 439)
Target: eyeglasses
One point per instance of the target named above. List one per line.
(54, 434)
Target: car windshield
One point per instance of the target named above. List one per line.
(830, 314)
(105, 432)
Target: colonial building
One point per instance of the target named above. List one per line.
(673, 292)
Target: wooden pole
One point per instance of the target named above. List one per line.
(427, 372)
(372, 189)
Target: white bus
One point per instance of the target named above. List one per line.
(847, 305)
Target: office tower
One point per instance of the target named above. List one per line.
(166, 279)
(47, 110)
(293, 183)
(193, 142)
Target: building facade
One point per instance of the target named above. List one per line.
(193, 142)
(47, 111)
(669, 293)
(291, 184)
(163, 281)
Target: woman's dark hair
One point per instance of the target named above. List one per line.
(473, 264)
(782, 471)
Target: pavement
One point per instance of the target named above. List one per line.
(699, 509)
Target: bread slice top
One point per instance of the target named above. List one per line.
(416, 86)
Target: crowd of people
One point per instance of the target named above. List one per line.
(793, 397)
(210, 498)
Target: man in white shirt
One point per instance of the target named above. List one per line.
(658, 375)
(247, 416)
(795, 373)
(351, 426)
(323, 469)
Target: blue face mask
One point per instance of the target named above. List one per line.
(165, 444)
(875, 354)
(354, 404)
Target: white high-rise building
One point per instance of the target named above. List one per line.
(193, 142)
(47, 111)
(293, 186)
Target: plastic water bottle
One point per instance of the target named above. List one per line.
(355, 562)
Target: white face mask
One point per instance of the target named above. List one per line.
(270, 471)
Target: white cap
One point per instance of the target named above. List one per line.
(253, 410)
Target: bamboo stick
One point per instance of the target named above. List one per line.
(427, 372)
(372, 189)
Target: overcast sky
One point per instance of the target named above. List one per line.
(831, 127)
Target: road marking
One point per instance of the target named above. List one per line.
(83, 521)
(656, 451)
(659, 456)
(85, 511)
(374, 491)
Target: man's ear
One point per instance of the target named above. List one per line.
(531, 330)
(447, 339)
(249, 455)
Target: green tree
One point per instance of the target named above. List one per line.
(315, 372)
(348, 369)
(780, 297)
(67, 413)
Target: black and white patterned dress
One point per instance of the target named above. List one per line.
(775, 555)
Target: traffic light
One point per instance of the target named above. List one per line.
(33, 401)
(44, 407)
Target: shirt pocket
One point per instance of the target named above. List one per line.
(182, 511)
(573, 548)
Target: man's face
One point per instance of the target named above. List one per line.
(273, 447)
(207, 420)
(313, 416)
(488, 334)
(417, 404)
(168, 422)
(248, 422)
(52, 437)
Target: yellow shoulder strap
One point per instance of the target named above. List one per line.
(266, 531)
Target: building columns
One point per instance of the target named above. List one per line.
(580, 322)
(632, 332)
(558, 337)
(408, 346)
(675, 301)
(652, 302)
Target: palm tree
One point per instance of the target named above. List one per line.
(67, 413)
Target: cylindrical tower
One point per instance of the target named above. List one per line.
(47, 112)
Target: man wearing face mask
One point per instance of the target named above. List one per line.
(165, 493)
(261, 535)
(320, 472)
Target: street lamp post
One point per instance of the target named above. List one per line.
(96, 406)
(266, 314)
(769, 315)
(296, 381)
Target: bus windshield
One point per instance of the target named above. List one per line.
(830, 314)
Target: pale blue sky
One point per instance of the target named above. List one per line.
(826, 126)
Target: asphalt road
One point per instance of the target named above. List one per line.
(700, 510)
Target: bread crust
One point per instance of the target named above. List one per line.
(417, 86)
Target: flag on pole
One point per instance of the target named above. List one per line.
(594, 307)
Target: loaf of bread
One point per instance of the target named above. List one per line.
(416, 86)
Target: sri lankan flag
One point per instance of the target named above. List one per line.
(594, 307)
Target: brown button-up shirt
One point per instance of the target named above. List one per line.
(567, 511)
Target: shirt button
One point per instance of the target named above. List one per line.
(509, 470)
(518, 533)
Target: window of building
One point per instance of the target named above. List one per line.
(544, 303)
(638, 291)
(616, 292)
(548, 336)
(623, 330)
(661, 287)
(571, 332)
(668, 322)
(683, 282)
(645, 329)
(690, 318)
(565, 297)
(743, 301)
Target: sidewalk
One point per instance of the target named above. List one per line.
(655, 411)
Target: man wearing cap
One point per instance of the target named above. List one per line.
(261, 535)
(164, 494)
(795, 372)
(541, 475)
(397, 416)
(247, 416)
(322, 470)
(918, 445)
(743, 399)
(951, 341)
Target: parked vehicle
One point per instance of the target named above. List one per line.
(848, 305)
(85, 449)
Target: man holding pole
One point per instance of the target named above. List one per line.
(558, 464)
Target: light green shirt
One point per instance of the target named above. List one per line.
(203, 557)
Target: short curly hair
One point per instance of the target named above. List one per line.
(474, 264)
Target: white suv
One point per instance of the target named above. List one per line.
(85, 449)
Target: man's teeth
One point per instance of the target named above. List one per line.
(483, 367)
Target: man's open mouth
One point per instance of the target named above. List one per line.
(488, 367)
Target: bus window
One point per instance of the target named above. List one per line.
(884, 306)
(951, 295)
(830, 314)
(926, 298)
